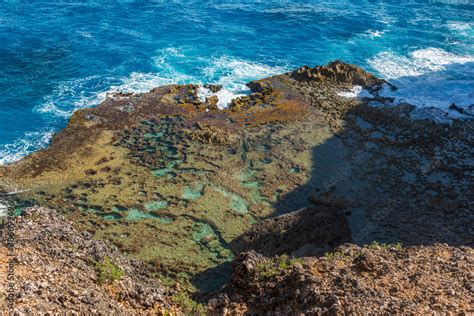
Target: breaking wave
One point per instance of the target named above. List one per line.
(429, 78)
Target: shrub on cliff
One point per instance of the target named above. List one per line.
(107, 271)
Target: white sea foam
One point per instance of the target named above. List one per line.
(461, 28)
(355, 92)
(142, 82)
(85, 34)
(3, 209)
(25, 145)
(224, 96)
(428, 78)
(374, 33)
(417, 63)
(71, 95)
(231, 73)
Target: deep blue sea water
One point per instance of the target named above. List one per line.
(61, 56)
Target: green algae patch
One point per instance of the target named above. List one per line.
(156, 205)
(192, 192)
(111, 216)
(161, 172)
(236, 203)
(202, 231)
(204, 235)
(295, 170)
(137, 215)
(252, 184)
(154, 135)
(245, 175)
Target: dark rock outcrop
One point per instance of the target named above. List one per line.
(340, 73)
(310, 231)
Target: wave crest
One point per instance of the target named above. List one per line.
(428, 78)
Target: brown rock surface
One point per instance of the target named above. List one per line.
(378, 279)
(173, 181)
(55, 271)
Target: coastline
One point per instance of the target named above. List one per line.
(188, 178)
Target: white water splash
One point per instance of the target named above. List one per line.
(230, 72)
(355, 92)
(428, 78)
(23, 146)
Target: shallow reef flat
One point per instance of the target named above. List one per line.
(170, 179)
(173, 180)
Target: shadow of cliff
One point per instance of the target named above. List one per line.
(404, 189)
(392, 196)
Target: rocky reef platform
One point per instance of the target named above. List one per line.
(171, 180)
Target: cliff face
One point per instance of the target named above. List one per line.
(174, 182)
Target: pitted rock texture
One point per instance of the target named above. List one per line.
(55, 272)
(378, 279)
(338, 72)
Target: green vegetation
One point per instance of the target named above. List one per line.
(330, 256)
(270, 268)
(107, 271)
(376, 245)
(189, 306)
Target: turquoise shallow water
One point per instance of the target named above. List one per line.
(58, 57)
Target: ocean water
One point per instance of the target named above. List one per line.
(61, 56)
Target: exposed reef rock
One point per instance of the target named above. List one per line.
(377, 279)
(58, 269)
(339, 73)
(210, 134)
(213, 87)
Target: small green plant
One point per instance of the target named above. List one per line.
(270, 268)
(330, 256)
(107, 271)
(377, 245)
(397, 246)
(266, 270)
(285, 262)
(189, 306)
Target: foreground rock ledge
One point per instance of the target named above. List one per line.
(378, 279)
(55, 271)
